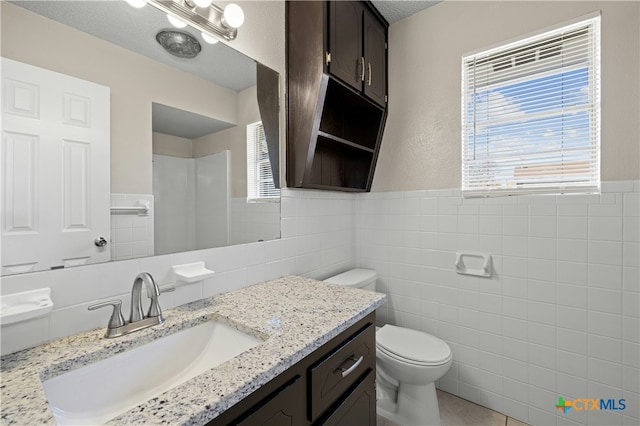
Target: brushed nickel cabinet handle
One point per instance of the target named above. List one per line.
(369, 66)
(347, 371)
(362, 68)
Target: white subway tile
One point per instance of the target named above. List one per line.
(631, 203)
(572, 363)
(631, 229)
(604, 276)
(604, 324)
(542, 377)
(605, 228)
(572, 250)
(605, 252)
(543, 226)
(605, 348)
(574, 227)
(607, 373)
(544, 270)
(572, 341)
(631, 329)
(631, 279)
(572, 272)
(515, 225)
(572, 318)
(631, 254)
(542, 248)
(571, 386)
(603, 300)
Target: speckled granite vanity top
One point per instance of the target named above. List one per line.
(294, 315)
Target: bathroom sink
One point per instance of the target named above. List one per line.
(98, 392)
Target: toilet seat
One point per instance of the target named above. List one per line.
(412, 346)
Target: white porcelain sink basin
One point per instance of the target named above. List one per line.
(98, 392)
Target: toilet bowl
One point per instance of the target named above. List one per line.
(408, 362)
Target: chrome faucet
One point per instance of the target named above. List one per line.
(137, 320)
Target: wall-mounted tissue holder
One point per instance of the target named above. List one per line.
(474, 263)
(191, 273)
(25, 305)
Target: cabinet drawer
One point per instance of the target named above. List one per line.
(334, 374)
(359, 408)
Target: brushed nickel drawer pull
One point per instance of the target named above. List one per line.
(347, 371)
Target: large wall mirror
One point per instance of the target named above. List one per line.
(123, 149)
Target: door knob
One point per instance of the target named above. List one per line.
(100, 242)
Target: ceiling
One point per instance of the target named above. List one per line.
(395, 10)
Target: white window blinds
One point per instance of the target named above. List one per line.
(531, 114)
(260, 186)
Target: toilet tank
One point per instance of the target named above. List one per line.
(364, 279)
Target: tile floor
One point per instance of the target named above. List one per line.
(456, 411)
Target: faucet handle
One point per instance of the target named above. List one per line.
(116, 320)
(167, 289)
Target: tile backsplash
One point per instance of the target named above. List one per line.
(318, 240)
(559, 316)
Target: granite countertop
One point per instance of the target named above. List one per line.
(293, 315)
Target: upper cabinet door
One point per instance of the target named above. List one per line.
(375, 80)
(345, 42)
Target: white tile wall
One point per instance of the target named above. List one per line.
(318, 240)
(131, 233)
(251, 222)
(560, 316)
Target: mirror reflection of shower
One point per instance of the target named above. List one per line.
(200, 184)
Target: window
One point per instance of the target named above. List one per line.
(531, 114)
(260, 185)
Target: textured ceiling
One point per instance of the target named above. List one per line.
(395, 10)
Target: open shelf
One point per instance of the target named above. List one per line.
(339, 165)
(350, 117)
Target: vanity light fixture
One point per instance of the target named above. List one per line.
(176, 22)
(208, 18)
(208, 38)
(137, 3)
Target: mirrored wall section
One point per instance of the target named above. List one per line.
(164, 116)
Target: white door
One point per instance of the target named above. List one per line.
(55, 169)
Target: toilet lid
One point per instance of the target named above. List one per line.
(412, 345)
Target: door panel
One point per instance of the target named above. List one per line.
(56, 169)
(345, 41)
(375, 84)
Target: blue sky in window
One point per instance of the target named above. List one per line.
(530, 118)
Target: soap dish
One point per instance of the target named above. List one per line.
(25, 305)
(191, 272)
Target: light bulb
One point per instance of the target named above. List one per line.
(233, 15)
(209, 39)
(202, 3)
(137, 3)
(178, 23)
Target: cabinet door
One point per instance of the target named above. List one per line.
(285, 407)
(345, 42)
(359, 409)
(375, 80)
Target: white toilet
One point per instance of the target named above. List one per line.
(408, 362)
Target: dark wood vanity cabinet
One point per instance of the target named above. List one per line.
(334, 385)
(336, 93)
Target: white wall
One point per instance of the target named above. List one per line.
(560, 315)
(318, 240)
(175, 203)
(212, 200)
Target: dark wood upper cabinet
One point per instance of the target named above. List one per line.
(336, 93)
(375, 54)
